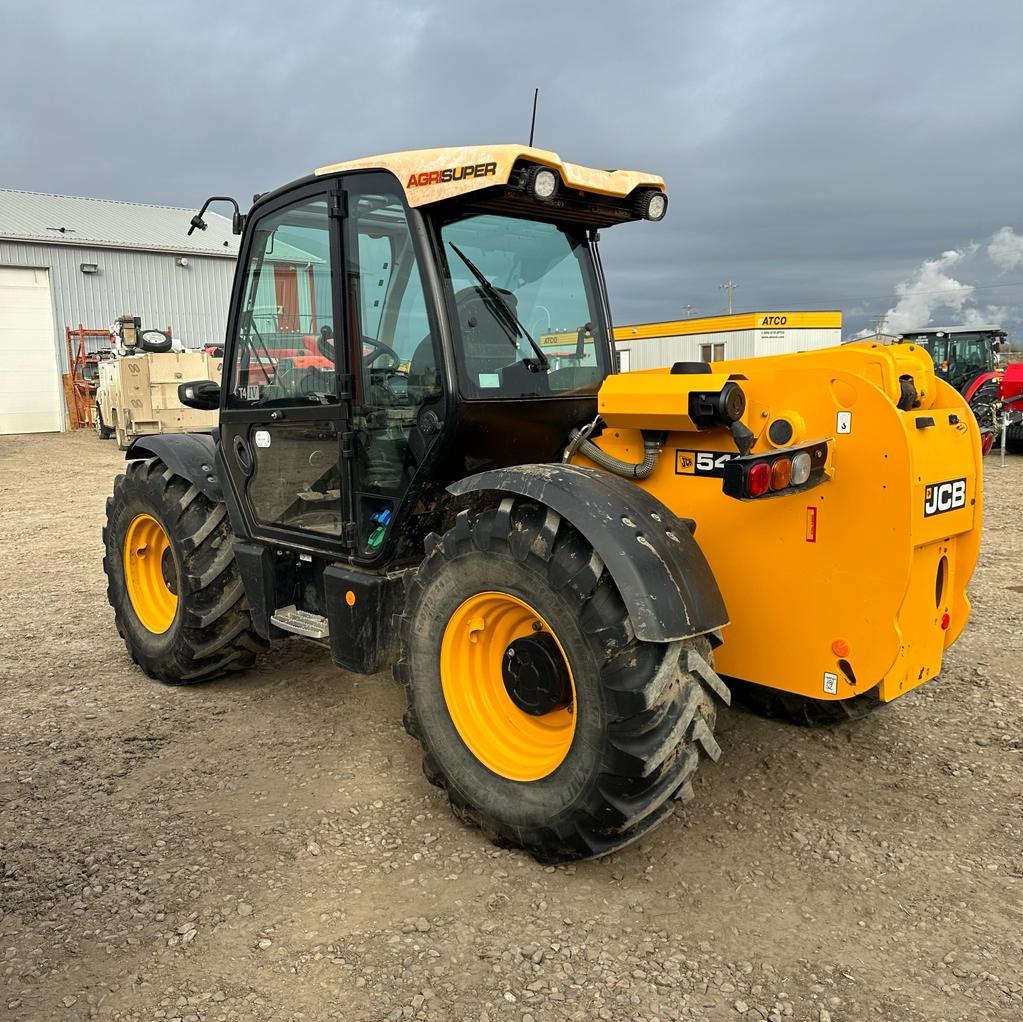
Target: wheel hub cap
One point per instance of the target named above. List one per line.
(536, 675)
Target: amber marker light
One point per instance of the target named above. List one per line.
(781, 473)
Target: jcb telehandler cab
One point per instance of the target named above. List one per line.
(548, 552)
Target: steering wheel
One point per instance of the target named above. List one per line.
(379, 349)
(325, 345)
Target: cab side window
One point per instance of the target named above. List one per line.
(285, 346)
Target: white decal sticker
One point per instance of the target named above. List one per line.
(844, 422)
(830, 683)
(262, 438)
(488, 381)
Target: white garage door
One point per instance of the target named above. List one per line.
(31, 392)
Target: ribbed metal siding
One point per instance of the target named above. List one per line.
(656, 352)
(193, 299)
(769, 342)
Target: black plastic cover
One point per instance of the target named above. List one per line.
(362, 638)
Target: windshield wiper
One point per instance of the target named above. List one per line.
(510, 320)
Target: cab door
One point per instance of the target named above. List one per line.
(282, 413)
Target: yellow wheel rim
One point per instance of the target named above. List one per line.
(149, 573)
(503, 737)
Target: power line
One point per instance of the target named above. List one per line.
(833, 303)
(891, 296)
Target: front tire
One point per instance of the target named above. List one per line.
(983, 404)
(172, 579)
(614, 738)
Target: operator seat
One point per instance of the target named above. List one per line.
(483, 347)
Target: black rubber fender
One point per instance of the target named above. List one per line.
(189, 455)
(650, 552)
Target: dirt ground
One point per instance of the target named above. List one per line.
(268, 848)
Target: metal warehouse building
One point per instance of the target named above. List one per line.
(654, 345)
(66, 261)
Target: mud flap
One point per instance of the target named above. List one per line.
(651, 554)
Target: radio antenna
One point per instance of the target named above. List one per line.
(532, 123)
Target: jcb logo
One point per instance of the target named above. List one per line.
(701, 463)
(942, 497)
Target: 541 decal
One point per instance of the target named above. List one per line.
(702, 463)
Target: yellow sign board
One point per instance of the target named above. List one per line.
(739, 321)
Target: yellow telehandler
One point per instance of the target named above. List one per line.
(569, 568)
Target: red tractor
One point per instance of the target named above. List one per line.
(964, 357)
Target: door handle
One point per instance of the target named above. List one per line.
(243, 455)
(277, 415)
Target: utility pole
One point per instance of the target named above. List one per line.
(689, 311)
(728, 287)
(880, 322)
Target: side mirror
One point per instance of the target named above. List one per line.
(201, 394)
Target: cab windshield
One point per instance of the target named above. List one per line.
(544, 281)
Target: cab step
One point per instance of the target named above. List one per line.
(301, 622)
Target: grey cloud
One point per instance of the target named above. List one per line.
(817, 153)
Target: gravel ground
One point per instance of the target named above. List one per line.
(267, 847)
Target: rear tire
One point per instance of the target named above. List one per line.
(103, 431)
(209, 631)
(802, 710)
(1014, 438)
(644, 712)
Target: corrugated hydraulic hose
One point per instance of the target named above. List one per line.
(628, 469)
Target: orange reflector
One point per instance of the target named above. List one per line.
(945, 621)
(781, 473)
(840, 648)
(350, 598)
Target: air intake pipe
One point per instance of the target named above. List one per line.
(652, 444)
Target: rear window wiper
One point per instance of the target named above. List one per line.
(511, 320)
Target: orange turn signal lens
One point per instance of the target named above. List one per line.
(781, 473)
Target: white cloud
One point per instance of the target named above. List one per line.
(1005, 249)
(930, 288)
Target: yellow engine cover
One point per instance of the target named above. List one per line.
(859, 581)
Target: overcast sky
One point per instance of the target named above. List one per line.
(865, 156)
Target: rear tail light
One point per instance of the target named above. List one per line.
(759, 479)
(788, 470)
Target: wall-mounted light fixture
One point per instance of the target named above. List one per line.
(89, 267)
(181, 261)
